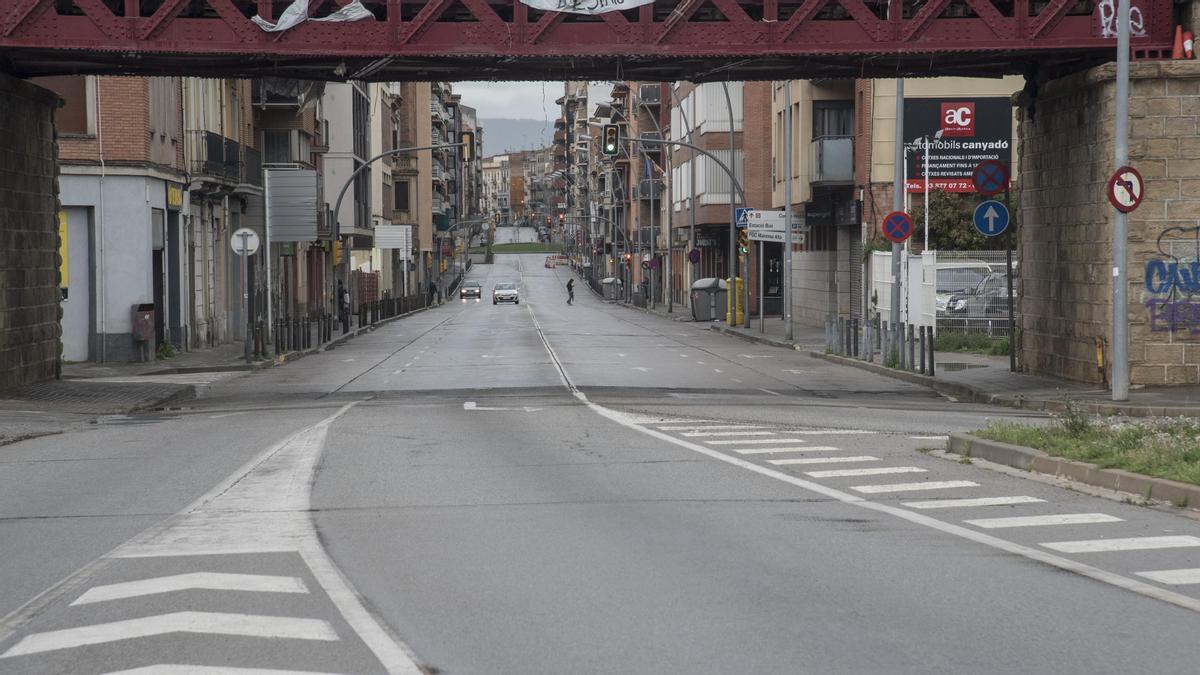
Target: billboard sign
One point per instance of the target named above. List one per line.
(973, 130)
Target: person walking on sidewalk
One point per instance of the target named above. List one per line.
(570, 291)
(432, 292)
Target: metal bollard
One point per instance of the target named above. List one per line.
(931, 372)
(901, 347)
(854, 338)
(841, 334)
(923, 330)
(869, 342)
(912, 349)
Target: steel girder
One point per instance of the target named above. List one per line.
(505, 39)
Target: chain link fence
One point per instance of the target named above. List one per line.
(972, 292)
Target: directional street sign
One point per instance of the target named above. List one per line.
(897, 226)
(1126, 189)
(990, 177)
(740, 216)
(991, 218)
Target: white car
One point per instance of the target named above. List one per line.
(505, 293)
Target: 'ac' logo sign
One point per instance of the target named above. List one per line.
(958, 119)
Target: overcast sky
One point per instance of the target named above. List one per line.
(512, 100)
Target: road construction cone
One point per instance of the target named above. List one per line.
(1187, 44)
(1177, 52)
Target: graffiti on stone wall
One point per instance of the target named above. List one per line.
(1172, 282)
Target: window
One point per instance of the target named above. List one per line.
(77, 116)
(401, 202)
(833, 118)
(277, 146)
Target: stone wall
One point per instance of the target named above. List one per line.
(1065, 159)
(29, 294)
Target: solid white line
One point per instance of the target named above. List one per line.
(757, 440)
(696, 434)
(770, 451)
(822, 460)
(876, 471)
(697, 427)
(1173, 577)
(181, 669)
(205, 623)
(930, 438)
(1128, 544)
(967, 503)
(208, 581)
(912, 487)
(1041, 521)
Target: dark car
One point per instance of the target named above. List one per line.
(989, 298)
(470, 289)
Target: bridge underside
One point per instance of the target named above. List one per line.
(694, 40)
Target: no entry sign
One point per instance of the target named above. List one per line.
(897, 226)
(1126, 189)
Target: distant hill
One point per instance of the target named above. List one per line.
(510, 135)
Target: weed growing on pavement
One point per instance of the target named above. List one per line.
(893, 359)
(925, 451)
(1161, 447)
(970, 343)
(965, 459)
(1073, 419)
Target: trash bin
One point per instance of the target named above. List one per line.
(708, 298)
(611, 290)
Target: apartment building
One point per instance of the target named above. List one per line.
(495, 190)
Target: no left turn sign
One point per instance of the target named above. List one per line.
(1126, 189)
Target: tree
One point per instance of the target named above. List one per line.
(950, 224)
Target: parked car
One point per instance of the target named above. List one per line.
(470, 289)
(505, 293)
(988, 298)
(958, 278)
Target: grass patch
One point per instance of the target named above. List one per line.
(1163, 448)
(527, 247)
(971, 343)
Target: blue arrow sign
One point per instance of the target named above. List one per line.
(741, 216)
(991, 218)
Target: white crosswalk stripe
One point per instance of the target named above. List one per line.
(1124, 544)
(751, 441)
(1174, 577)
(182, 669)
(822, 460)
(972, 502)
(707, 427)
(775, 451)
(1042, 521)
(914, 487)
(210, 581)
(700, 434)
(876, 471)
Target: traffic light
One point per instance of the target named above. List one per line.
(468, 145)
(628, 257)
(611, 139)
(743, 242)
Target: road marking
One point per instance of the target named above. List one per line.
(967, 503)
(347, 360)
(717, 370)
(701, 363)
(209, 581)
(794, 371)
(1173, 577)
(408, 364)
(1127, 544)
(875, 471)
(822, 460)
(770, 451)
(417, 357)
(233, 414)
(641, 368)
(829, 432)
(929, 438)
(912, 487)
(748, 441)
(397, 372)
(203, 623)
(756, 356)
(773, 393)
(697, 427)
(698, 434)
(1040, 521)
(181, 669)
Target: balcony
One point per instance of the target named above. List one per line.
(832, 159)
(650, 95)
(210, 159)
(252, 167)
(439, 205)
(405, 163)
(435, 136)
(649, 189)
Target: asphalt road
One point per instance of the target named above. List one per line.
(544, 488)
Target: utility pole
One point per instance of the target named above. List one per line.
(787, 211)
(897, 198)
(1120, 288)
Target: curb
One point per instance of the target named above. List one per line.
(1030, 459)
(973, 394)
(761, 339)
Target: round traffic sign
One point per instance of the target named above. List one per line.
(991, 218)
(897, 226)
(244, 241)
(990, 177)
(1126, 189)
(694, 256)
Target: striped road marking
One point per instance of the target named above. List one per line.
(1038, 521)
(748, 441)
(1129, 544)
(768, 451)
(181, 669)
(208, 581)
(1174, 577)
(877, 471)
(697, 426)
(912, 487)
(822, 460)
(697, 434)
(967, 503)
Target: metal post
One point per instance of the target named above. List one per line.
(912, 344)
(762, 326)
(787, 211)
(924, 330)
(731, 298)
(246, 341)
(1120, 309)
(898, 195)
(925, 168)
(931, 353)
